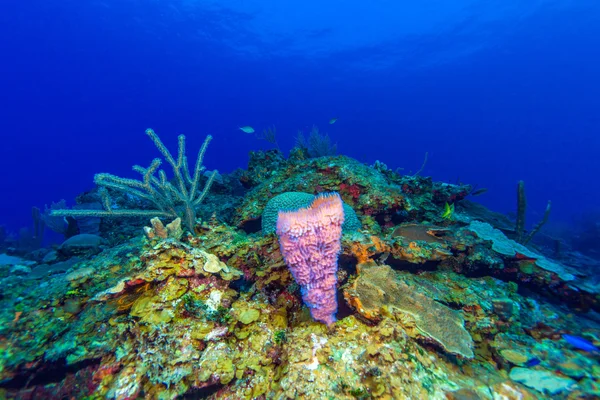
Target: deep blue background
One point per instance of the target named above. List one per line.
(494, 91)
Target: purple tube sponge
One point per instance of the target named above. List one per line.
(310, 241)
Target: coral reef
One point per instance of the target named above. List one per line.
(427, 307)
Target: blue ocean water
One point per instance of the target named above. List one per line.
(494, 91)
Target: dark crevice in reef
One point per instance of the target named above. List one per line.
(197, 394)
(476, 271)
(401, 265)
(348, 264)
(344, 309)
(551, 294)
(393, 216)
(46, 374)
(452, 305)
(252, 226)
(583, 303)
(241, 285)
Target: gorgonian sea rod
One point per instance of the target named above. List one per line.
(310, 241)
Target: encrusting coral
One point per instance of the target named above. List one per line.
(377, 291)
(158, 230)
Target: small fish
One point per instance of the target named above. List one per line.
(533, 362)
(448, 211)
(247, 129)
(580, 343)
(332, 121)
(17, 316)
(478, 192)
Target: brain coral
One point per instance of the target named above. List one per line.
(296, 200)
(379, 286)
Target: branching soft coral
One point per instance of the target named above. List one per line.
(176, 198)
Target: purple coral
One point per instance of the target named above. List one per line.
(310, 241)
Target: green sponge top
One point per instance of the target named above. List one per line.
(295, 201)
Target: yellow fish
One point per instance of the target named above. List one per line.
(332, 121)
(448, 211)
(246, 129)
